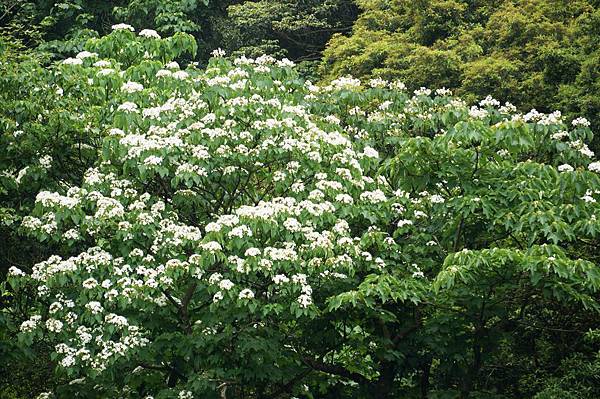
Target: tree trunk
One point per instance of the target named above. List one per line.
(383, 387)
(424, 383)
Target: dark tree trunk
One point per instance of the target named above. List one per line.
(424, 383)
(383, 387)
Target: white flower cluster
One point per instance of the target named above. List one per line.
(149, 33)
(123, 27)
(73, 61)
(218, 53)
(581, 122)
(344, 83)
(131, 87)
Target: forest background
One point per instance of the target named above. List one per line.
(542, 54)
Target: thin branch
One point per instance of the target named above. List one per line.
(335, 370)
(459, 228)
(287, 387)
(403, 334)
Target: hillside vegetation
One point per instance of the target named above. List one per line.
(197, 200)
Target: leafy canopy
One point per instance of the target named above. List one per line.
(541, 54)
(237, 230)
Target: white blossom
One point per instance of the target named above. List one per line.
(565, 168)
(54, 325)
(131, 87)
(149, 33)
(246, 293)
(86, 54)
(123, 27)
(304, 300)
(581, 121)
(218, 53)
(95, 307)
(226, 284)
(594, 167)
(73, 61)
(128, 107)
(15, 272)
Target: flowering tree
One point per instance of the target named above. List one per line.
(245, 232)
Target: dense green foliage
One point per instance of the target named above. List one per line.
(542, 54)
(178, 222)
(297, 29)
(236, 231)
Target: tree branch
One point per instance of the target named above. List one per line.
(334, 369)
(287, 387)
